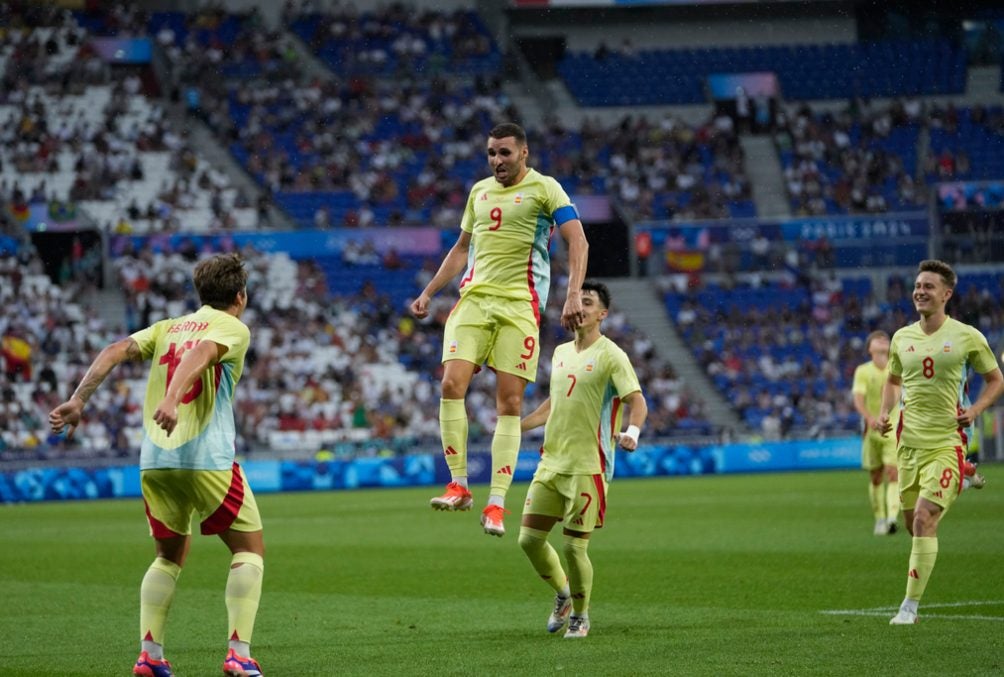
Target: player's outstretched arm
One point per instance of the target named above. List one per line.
(537, 417)
(890, 396)
(578, 257)
(637, 413)
(453, 264)
(68, 413)
(993, 386)
(193, 363)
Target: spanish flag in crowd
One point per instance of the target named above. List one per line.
(685, 261)
(20, 211)
(17, 356)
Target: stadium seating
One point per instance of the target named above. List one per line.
(335, 360)
(786, 354)
(835, 71)
(395, 40)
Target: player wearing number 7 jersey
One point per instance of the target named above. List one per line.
(187, 457)
(928, 360)
(591, 380)
(503, 250)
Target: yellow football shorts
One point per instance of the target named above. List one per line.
(580, 501)
(877, 451)
(222, 498)
(935, 475)
(501, 333)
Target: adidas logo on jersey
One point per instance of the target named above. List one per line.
(577, 520)
(521, 366)
(484, 196)
(910, 350)
(449, 451)
(504, 470)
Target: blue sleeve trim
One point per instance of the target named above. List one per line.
(565, 214)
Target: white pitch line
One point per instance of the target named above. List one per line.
(885, 610)
(947, 617)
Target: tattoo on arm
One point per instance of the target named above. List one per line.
(88, 385)
(133, 353)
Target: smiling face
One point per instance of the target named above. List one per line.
(930, 293)
(593, 311)
(507, 159)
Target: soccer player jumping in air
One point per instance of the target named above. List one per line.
(187, 458)
(503, 252)
(929, 359)
(591, 380)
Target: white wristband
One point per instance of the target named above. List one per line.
(632, 432)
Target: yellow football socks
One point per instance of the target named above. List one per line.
(580, 573)
(505, 451)
(922, 557)
(876, 493)
(453, 430)
(892, 503)
(155, 596)
(543, 557)
(243, 594)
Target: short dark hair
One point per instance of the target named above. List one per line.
(507, 129)
(878, 333)
(942, 269)
(601, 291)
(219, 279)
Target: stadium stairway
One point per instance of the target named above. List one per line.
(638, 300)
(763, 166)
(109, 305)
(210, 148)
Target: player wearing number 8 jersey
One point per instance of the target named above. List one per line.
(928, 361)
(591, 380)
(187, 456)
(503, 253)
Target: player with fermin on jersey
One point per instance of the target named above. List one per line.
(187, 457)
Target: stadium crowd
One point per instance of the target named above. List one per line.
(76, 131)
(325, 367)
(867, 158)
(784, 354)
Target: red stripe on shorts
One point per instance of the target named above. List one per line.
(602, 496)
(225, 515)
(961, 458)
(157, 528)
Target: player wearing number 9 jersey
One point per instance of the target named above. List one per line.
(503, 252)
(591, 381)
(928, 361)
(187, 458)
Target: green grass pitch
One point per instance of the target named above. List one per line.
(725, 575)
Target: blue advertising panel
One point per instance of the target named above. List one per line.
(725, 86)
(297, 243)
(53, 484)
